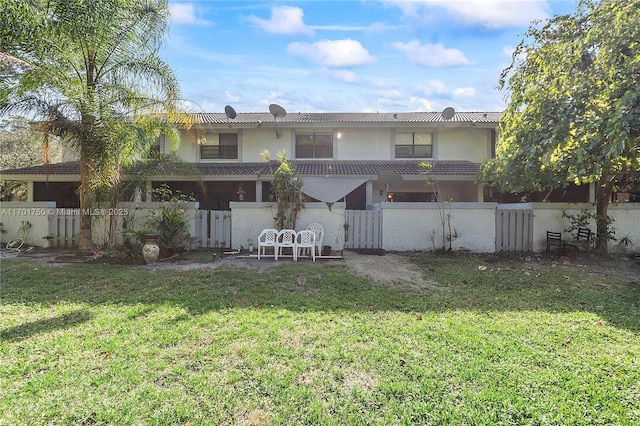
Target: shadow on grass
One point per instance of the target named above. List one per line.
(449, 284)
(27, 330)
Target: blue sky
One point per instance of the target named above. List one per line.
(347, 56)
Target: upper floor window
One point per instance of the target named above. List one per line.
(414, 145)
(314, 145)
(218, 146)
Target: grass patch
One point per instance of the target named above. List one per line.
(480, 343)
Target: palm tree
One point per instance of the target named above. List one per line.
(88, 71)
(134, 182)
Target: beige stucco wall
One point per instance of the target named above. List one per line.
(43, 219)
(256, 140)
(249, 219)
(469, 144)
(548, 217)
(353, 144)
(363, 144)
(187, 149)
(12, 214)
(408, 226)
(135, 214)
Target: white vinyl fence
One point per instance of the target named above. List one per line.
(64, 228)
(213, 228)
(363, 229)
(514, 227)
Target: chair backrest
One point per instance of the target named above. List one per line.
(306, 238)
(584, 234)
(317, 229)
(268, 236)
(553, 235)
(287, 237)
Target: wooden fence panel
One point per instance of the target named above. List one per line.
(364, 229)
(514, 229)
(213, 228)
(64, 227)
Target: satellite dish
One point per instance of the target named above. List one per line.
(230, 112)
(389, 178)
(448, 113)
(277, 111)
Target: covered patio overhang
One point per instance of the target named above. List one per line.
(325, 180)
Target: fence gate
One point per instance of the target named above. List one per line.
(64, 228)
(514, 227)
(213, 228)
(363, 229)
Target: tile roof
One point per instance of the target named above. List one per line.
(68, 168)
(303, 167)
(347, 117)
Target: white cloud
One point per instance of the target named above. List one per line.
(373, 28)
(431, 55)
(184, 13)
(230, 98)
(390, 94)
(332, 53)
(341, 75)
(285, 20)
(420, 104)
(464, 92)
(433, 87)
(486, 13)
(508, 50)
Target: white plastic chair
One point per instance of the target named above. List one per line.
(319, 231)
(286, 238)
(268, 238)
(306, 240)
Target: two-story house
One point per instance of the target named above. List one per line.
(357, 164)
(370, 158)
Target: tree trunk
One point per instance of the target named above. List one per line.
(603, 195)
(113, 219)
(85, 243)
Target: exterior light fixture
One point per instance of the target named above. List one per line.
(240, 193)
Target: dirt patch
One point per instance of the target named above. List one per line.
(389, 269)
(392, 269)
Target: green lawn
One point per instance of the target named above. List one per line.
(506, 343)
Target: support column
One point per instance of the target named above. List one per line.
(258, 191)
(369, 193)
(30, 191)
(149, 194)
